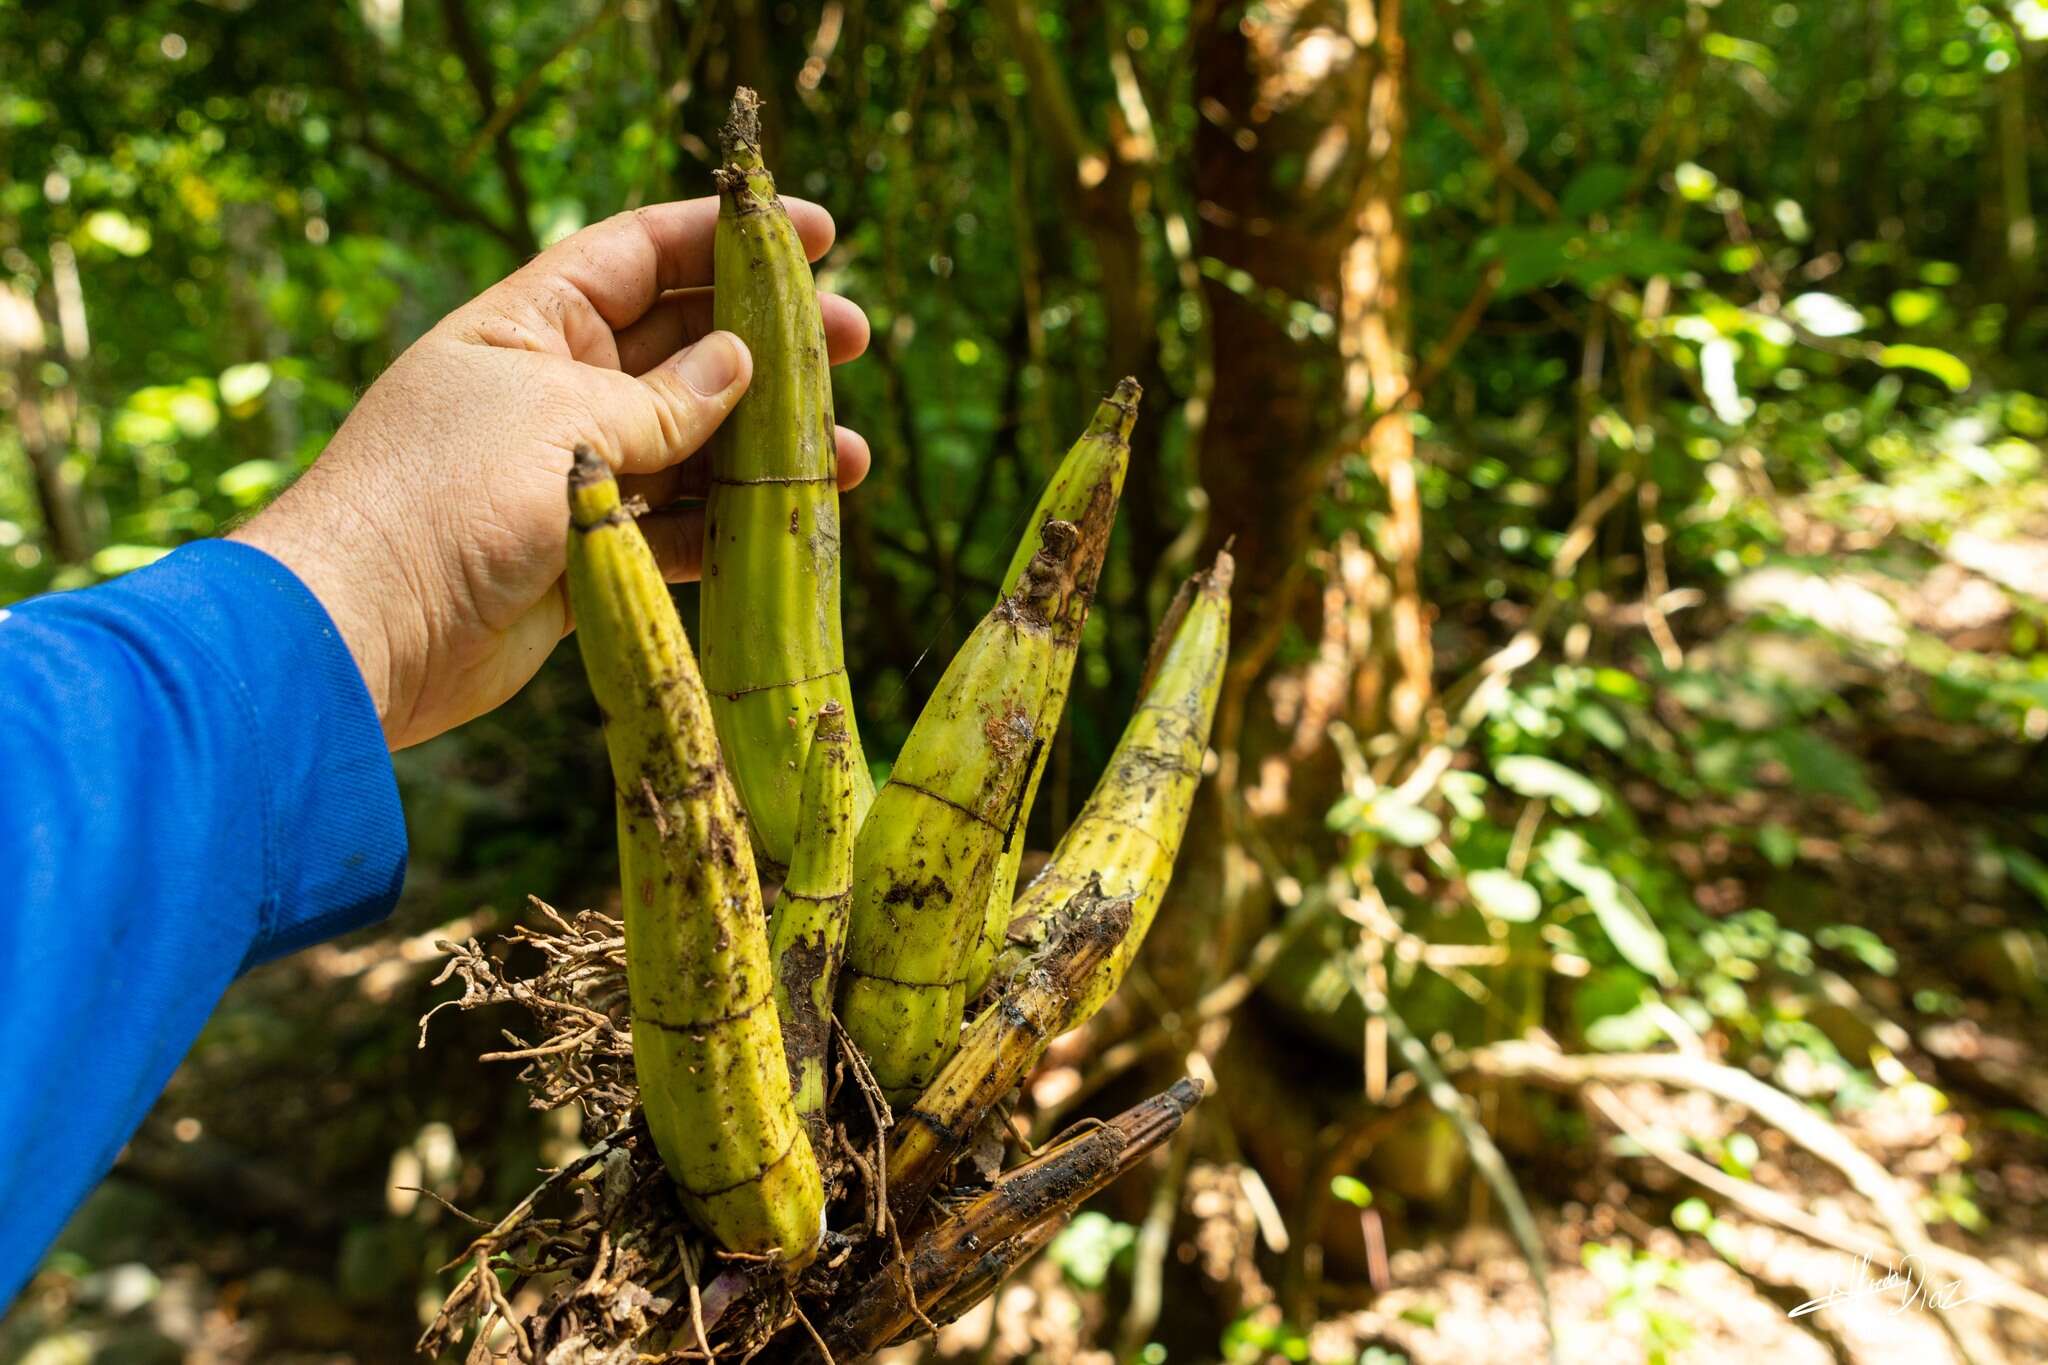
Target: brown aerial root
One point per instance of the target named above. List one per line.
(605, 1268)
(585, 1055)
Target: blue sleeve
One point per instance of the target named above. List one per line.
(192, 781)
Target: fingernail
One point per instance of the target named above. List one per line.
(711, 366)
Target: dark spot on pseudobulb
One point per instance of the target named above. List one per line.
(915, 894)
(1007, 729)
(805, 1028)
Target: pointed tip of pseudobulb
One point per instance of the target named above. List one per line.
(1125, 397)
(1217, 580)
(742, 131)
(587, 468)
(1117, 413)
(593, 489)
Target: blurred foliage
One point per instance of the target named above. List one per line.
(1765, 276)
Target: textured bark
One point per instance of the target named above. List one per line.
(476, 65)
(1298, 190)
(1378, 345)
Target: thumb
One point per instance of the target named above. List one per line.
(659, 418)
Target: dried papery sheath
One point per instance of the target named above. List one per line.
(1004, 1042)
(930, 846)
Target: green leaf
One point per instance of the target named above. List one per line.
(1739, 1154)
(1087, 1247)
(1537, 777)
(1253, 1337)
(1465, 794)
(1387, 815)
(117, 232)
(1780, 846)
(2028, 871)
(1606, 992)
(1732, 49)
(1636, 1030)
(1819, 765)
(1599, 722)
(251, 481)
(2024, 694)
(1352, 1191)
(1859, 943)
(1617, 683)
(1540, 254)
(1725, 764)
(1947, 368)
(244, 384)
(1348, 814)
(1627, 924)
(1915, 307)
(120, 559)
(1695, 182)
(1402, 823)
(1596, 187)
(1504, 896)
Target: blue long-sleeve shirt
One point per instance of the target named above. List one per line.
(192, 781)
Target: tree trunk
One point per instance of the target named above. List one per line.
(1298, 189)
(1378, 345)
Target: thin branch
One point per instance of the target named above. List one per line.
(1455, 336)
(1466, 50)
(476, 64)
(895, 390)
(1496, 155)
(1469, 699)
(438, 189)
(503, 117)
(1052, 100)
(824, 42)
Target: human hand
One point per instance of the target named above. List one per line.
(433, 528)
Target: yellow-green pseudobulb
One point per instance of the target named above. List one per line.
(707, 1049)
(807, 933)
(1084, 491)
(927, 850)
(769, 628)
(1126, 838)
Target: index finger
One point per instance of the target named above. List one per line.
(622, 265)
